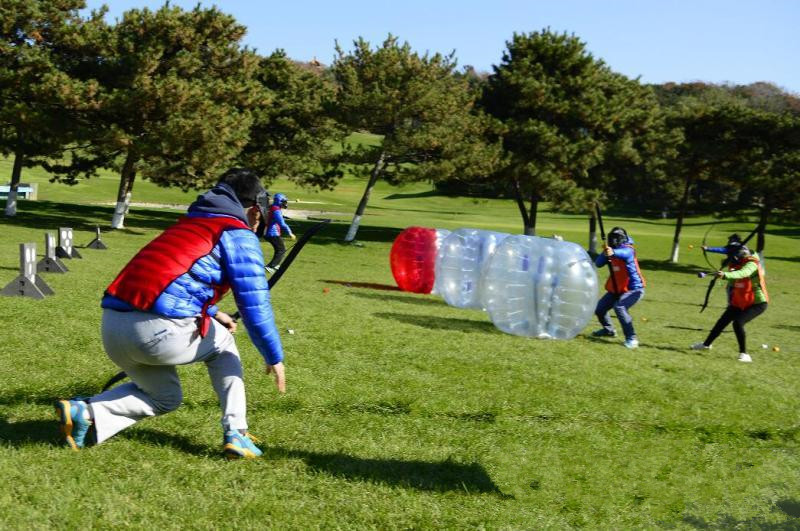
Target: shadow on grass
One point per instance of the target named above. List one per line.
(422, 301)
(49, 396)
(681, 303)
(416, 195)
(670, 348)
(439, 476)
(365, 285)
(153, 437)
(335, 232)
(665, 265)
(440, 323)
(793, 328)
(789, 507)
(28, 432)
(695, 328)
(795, 259)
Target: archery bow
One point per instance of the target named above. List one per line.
(703, 246)
(608, 258)
(724, 263)
(307, 235)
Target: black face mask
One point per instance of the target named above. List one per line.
(732, 250)
(615, 239)
(262, 201)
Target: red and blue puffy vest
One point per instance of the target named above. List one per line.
(169, 256)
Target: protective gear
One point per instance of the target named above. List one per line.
(262, 202)
(280, 200)
(149, 274)
(224, 253)
(624, 266)
(734, 238)
(732, 250)
(743, 293)
(617, 237)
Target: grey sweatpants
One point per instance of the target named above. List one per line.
(148, 347)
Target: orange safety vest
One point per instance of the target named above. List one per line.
(621, 274)
(743, 295)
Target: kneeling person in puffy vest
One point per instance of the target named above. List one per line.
(161, 312)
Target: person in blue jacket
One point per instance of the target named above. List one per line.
(624, 290)
(160, 312)
(275, 228)
(734, 243)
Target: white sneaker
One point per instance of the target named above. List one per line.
(631, 343)
(700, 346)
(269, 269)
(745, 357)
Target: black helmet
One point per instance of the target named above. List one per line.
(280, 200)
(617, 237)
(734, 238)
(732, 249)
(245, 184)
(741, 253)
(262, 202)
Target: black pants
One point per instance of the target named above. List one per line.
(738, 317)
(280, 250)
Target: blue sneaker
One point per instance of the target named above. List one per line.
(72, 416)
(237, 445)
(604, 333)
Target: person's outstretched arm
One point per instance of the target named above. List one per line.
(243, 264)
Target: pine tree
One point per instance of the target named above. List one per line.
(568, 120)
(41, 103)
(292, 133)
(423, 114)
(176, 92)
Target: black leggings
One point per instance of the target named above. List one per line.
(738, 318)
(280, 250)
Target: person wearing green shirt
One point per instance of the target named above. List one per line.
(747, 299)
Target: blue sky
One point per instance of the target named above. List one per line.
(718, 41)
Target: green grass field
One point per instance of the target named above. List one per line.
(403, 412)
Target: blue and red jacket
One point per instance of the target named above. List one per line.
(192, 264)
(276, 223)
(625, 266)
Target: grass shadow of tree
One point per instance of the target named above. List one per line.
(795, 259)
(789, 507)
(440, 323)
(415, 195)
(49, 215)
(421, 301)
(666, 265)
(335, 232)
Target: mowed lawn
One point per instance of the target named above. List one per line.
(403, 412)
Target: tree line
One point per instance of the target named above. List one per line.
(173, 96)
